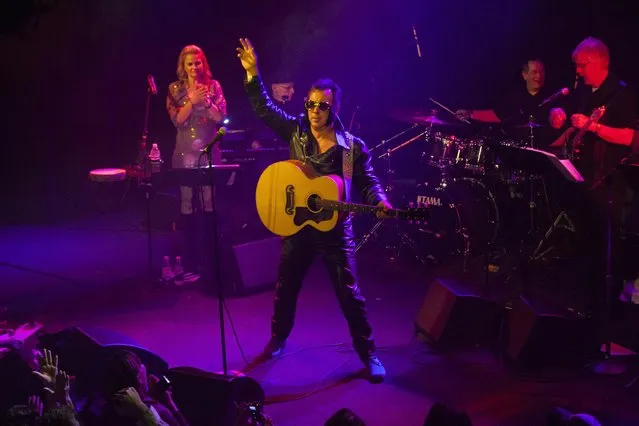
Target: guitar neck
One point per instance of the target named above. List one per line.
(352, 207)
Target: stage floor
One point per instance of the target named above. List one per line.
(91, 274)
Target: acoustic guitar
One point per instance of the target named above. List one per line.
(290, 195)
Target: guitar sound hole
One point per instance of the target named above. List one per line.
(312, 203)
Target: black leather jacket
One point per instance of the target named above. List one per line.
(296, 131)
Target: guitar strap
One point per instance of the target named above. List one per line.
(347, 166)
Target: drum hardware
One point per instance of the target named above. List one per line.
(383, 143)
(562, 221)
(404, 238)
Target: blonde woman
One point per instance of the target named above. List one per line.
(196, 104)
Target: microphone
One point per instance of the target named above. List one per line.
(218, 137)
(562, 92)
(419, 50)
(576, 81)
(151, 87)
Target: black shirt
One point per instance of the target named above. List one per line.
(515, 109)
(326, 163)
(598, 157)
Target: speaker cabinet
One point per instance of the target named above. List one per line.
(207, 398)
(252, 266)
(451, 316)
(541, 336)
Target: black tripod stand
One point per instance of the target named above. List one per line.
(404, 238)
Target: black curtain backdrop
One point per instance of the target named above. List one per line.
(74, 71)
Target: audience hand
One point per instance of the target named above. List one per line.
(63, 389)
(129, 404)
(162, 395)
(35, 404)
(47, 370)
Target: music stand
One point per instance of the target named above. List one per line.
(538, 162)
(203, 176)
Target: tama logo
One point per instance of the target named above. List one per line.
(429, 201)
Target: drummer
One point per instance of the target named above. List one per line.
(514, 110)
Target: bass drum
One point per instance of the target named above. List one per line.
(463, 216)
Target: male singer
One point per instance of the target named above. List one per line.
(318, 138)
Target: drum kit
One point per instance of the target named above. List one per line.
(476, 199)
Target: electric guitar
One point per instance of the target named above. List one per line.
(290, 195)
(577, 140)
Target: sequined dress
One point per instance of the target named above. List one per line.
(198, 129)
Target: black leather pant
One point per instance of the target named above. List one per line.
(337, 248)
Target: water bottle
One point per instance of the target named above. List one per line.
(155, 159)
(178, 268)
(167, 270)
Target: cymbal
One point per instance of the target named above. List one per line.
(419, 117)
(528, 125)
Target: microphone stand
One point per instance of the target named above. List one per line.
(145, 132)
(214, 248)
(609, 365)
(142, 175)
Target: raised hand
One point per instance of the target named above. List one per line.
(63, 388)
(248, 57)
(48, 369)
(35, 404)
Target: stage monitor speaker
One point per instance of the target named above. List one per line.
(253, 266)
(453, 317)
(541, 336)
(207, 398)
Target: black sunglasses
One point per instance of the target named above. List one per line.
(323, 106)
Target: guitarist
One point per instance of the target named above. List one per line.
(604, 142)
(318, 138)
(607, 140)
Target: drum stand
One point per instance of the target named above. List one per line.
(404, 238)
